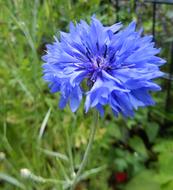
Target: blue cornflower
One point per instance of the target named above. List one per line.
(105, 64)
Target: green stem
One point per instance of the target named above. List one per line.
(87, 152)
(62, 170)
(69, 147)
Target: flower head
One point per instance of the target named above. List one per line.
(105, 64)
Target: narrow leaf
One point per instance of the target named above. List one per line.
(44, 123)
(90, 172)
(11, 180)
(55, 154)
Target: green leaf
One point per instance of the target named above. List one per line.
(11, 180)
(114, 131)
(168, 186)
(165, 162)
(55, 154)
(163, 178)
(44, 123)
(152, 131)
(90, 172)
(121, 164)
(138, 146)
(143, 181)
(164, 145)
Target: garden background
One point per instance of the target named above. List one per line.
(131, 154)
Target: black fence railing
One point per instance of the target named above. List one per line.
(170, 71)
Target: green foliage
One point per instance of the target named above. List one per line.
(34, 132)
(143, 181)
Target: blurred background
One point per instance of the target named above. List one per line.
(132, 154)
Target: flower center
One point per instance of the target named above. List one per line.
(99, 63)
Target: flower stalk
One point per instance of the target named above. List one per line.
(87, 151)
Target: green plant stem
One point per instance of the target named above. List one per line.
(62, 170)
(69, 147)
(87, 152)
